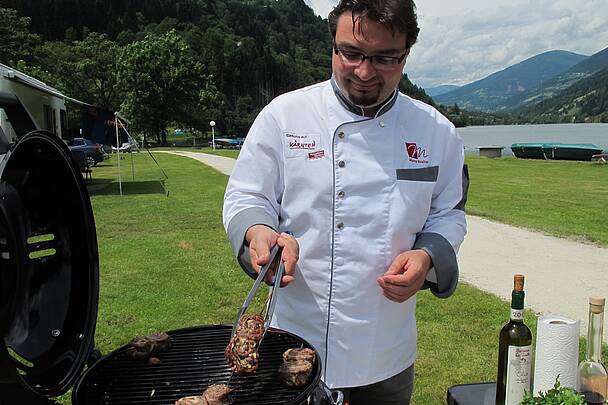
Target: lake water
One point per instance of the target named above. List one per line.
(505, 135)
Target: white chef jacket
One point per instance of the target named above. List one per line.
(355, 192)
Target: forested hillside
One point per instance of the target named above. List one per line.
(161, 62)
(586, 100)
(171, 62)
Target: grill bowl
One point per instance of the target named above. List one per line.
(195, 361)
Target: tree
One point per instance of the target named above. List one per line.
(85, 70)
(16, 41)
(161, 80)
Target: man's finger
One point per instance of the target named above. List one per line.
(397, 265)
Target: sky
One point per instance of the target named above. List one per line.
(462, 41)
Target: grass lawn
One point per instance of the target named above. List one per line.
(562, 198)
(165, 263)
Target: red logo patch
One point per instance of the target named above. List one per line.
(416, 153)
(412, 150)
(316, 155)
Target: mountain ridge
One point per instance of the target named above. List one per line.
(492, 92)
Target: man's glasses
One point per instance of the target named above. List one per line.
(380, 62)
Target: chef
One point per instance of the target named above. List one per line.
(363, 188)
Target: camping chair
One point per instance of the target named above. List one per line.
(81, 161)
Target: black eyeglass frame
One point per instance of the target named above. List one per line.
(362, 57)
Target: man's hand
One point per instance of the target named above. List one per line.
(406, 275)
(261, 239)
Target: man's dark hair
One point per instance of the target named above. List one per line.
(396, 14)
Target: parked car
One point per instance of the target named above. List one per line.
(92, 151)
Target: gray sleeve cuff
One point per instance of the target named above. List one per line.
(237, 228)
(444, 263)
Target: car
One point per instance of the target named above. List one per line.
(93, 151)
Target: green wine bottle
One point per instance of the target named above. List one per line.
(514, 351)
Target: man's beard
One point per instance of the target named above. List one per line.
(364, 99)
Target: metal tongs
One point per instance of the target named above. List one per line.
(274, 262)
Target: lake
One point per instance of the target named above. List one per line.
(505, 135)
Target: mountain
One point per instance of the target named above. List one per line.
(584, 101)
(551, 88)
(444, 88)
(493, 92)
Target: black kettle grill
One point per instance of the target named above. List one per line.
(49, 287)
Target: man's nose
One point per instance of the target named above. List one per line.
(365, 70)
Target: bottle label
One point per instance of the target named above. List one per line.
(519, 364)
(517, 314)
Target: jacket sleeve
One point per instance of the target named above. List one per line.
(255, 188)
(445, 226)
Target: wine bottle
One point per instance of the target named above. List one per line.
(592, 376)
(514, 351)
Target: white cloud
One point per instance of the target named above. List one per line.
(459, 49)
(321, 7)
(464, 41)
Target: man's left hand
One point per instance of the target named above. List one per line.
(406, 275)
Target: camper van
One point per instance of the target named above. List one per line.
(44, 104)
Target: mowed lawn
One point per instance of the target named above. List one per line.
(561, 198)
(165, 263)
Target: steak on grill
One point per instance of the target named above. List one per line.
(195, 400)
(216, 394)
(141, 347)
(304, 353)
(297, 366)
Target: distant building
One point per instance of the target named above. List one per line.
(44, 104)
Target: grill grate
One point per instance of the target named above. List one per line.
(195, 361)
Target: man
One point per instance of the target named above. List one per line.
(368, 182)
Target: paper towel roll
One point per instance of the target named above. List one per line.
(556, 352)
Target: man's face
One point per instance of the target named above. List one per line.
(364, 84)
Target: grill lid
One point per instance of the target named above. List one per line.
(49, 266)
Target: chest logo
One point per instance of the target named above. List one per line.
(417, 154)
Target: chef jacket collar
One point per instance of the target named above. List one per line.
(356, 109)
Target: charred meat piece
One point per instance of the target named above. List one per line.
(217, 394)
(251, 326)
(242, 350)
(242, 354)
(295, 373)
(296, 354)
(196, 400)
(142, 346)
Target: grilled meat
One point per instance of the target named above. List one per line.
(142, 346)
(251, 326)
(242, 354)
(295, 373)
(303, 353)
(195, 400)
(297, 366)
(217, 394)
(242, 350)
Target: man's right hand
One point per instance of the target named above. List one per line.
(261, 239)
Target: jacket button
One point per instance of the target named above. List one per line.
(340, 225)
(341, 135)
(341, 194)
(341, 163)
(382, 124)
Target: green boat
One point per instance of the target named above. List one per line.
(555, 151)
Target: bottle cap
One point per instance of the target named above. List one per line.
(518, 282)
(596, 304)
